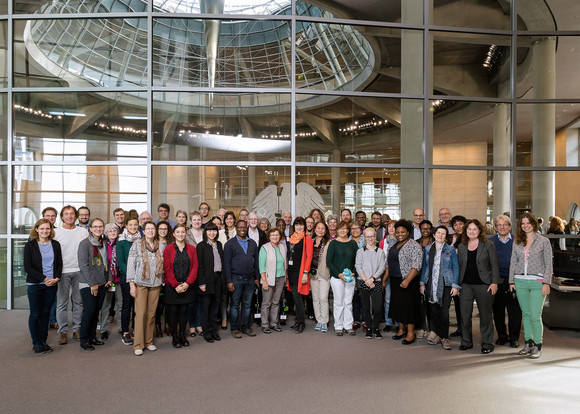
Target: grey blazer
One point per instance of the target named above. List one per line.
(487, 265)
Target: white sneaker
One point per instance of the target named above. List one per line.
(318, 326)
(420, 333)
(431, 336)
(151, 348)
(138, 352)
(436, 340)
(324, 328)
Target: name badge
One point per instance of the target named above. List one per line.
(290, 262)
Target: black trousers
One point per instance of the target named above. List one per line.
(209, 311)
(299, 303)
(127, 305)
(372, 298)
(506, 299)
(178, 316)
(91, 307)
(458, 313)
(440, 314)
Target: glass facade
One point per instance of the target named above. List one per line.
(276, 105)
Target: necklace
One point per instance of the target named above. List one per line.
(45, 248)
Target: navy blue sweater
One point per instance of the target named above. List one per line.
(504, 255)
(237, 263)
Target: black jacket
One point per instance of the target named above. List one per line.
(205, 262)
(33, 262)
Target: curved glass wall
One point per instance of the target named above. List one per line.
(278, 105)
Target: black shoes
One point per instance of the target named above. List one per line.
(369, 334)
(397, 337)
(406, 342)
(378, 334)
(216, 337)
(465, 347)
(300, 328)
(183, 340)
(87, 346)
(96, 342)
(208, 339)
(486, 350)
(501, 341)
(175, 342)
(387, 328)
(104, 335)
(514, 343)
(47, 348)
(455, 333)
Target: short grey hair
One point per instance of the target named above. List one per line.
(502, 217)
(331, 217)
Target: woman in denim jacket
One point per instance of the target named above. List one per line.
(440, 278)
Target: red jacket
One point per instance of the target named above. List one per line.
(304, 289)
(169, 257)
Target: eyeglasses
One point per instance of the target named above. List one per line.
(97, 227)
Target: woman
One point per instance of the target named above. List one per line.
(530, 277)
(332, 221)
(145, 276)
(356, 234)
(426, 229)
(478, 278)
(458, 224)
(195, 233)
(440, 281)
(317, 215)
(165, 237)
(273, 272)
(93, 282)
(180, 217)
(194, 236)
(340, 258)
(210, 259)
(571, 228)
(320, 276)
(403, 266)
(281, 225)
(229, 229)
(264, 224)
(557, 227)
(113, 296)
(180, 266)
(126, 240)
(370, 267)
(217, 221)
(385, 244)
(299, 261)
(43, 267)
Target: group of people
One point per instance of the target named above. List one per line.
(186, 271)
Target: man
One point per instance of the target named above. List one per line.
(287, 217)
(376, 224)
(504, 298)
(418, 217)
(243, 215)
(50, 213)
(346, 215)
(84, 216)
(69, 236)
(445, 219)
(163, 211)
(119, 216)
(242, 274)
(204, 210)
(361, 218)
(254, 233)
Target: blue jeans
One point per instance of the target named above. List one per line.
(40, 299)
(194, 313)
(243, 291)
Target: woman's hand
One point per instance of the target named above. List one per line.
(422, 289)
(492, 288)
(304, 278)
(341, 276)
(405, 283)
(265, 286)
(512, 287)
(108, 284)
(133, 290)
(202, 288)
(370, 282)
(545, 289)
(94, 290)
(455, 291)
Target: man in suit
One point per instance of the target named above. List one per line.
(242, 275)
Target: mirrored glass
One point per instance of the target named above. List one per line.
(3, 199)
(221, 127)
(471, 133)
(359, 129)
(383, 11)
(101, 188)
(80, 52)
(250, 7)
(547, 135)
(19, 287)
(3, 53)
(265, 190)
(471, 64)
(80, 126)
(79, 6)
(549, 15)
(3, 275)
(3, 6)
(480, 14)
(4, 111)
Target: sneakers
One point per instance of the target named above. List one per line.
(77, 335)
(151, 347)
(266, 330)
(338, 332)
(323, 328)
(318, 326)
(249, 332)
(369, 334)
(47, 348)
(62, 338)
(446, 344)
(237, 334)
(127, 340)
(536, 351)
(138, 352)
(351, 332)
(528, 347)
(38, 349)
(378, 334)
(431, 336)
(420, 333)
(436, 340)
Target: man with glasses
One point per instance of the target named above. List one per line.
(418, 217)
(163, 211)
(204, 210)
(84, 216)
(445, 219)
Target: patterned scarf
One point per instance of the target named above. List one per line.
(112, 254)
(145, 247)
(296, 237)
(128, 236)
(99, 251)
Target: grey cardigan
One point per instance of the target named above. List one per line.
(539, 260)
(487, 266)
(371, 263)
(135, 267)
(92, 274)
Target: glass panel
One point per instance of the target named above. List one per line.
(471, 133)
(537, 143)
(468, 64)
(3, 195)
(255, 7)
(79, 6)
(548, 67)
(481, 14)
(359, 129)
(80, 52)
(549, 16)
(101, 188)
(19, 287)
(228, 187)
(3, 52)
(366, 189)
(3, 6)
(3, 275)
(384, 11)
(248, 54)
(221, 127)
(80, 126)
(4, 126)
(472, 194)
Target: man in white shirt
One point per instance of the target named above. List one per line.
(69, 236)
(418, 217)
(445, 219)
(254, 233)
